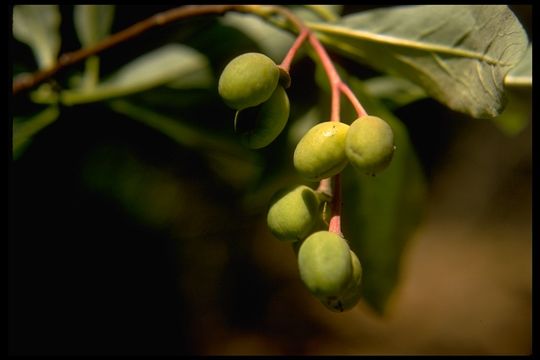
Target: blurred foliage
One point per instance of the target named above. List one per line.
(179, 170)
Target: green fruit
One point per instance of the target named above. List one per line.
(370, 144)
(248, 80)
(321, 151)
(324, 262)
(260, 125)
(293, 213)
(352, 294)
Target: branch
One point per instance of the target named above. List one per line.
(160, 19)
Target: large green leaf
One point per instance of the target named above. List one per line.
(459, 54)
(93, 22)
(394, 92)
(39, 27)
(273, 41)
(327, 13)
(521, 74)
(518, 114)
(381, 212)
(174, 64)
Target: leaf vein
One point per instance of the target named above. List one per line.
(479, 72)
(407, 43)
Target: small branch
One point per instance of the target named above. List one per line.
(160, 19)
(333, 76)
(360, 111)
(286, 63)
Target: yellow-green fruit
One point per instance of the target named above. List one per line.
(248, 80)
(293, 213)
(370, 144)
(321, 151)
(352, 294)
(324, 262)
(260, 125)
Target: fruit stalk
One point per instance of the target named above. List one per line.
(346, 90)
(335, 218)
(286, 63)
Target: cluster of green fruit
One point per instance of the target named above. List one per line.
(328, 267)
(254, 85)
(325, 150)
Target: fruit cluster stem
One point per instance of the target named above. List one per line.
(335, 218)
(286, 63)
(331, 187)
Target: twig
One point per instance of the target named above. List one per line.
(160, 19)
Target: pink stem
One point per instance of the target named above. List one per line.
(335, 219)
(337, 87)
(286, 63)
(333, 76)
(360, 111)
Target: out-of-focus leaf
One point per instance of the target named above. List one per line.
(39, 27)
(25, 129)
(518, 113)
(394, 92)
(326, 13)
(521, 74)
(459, 54)
(381, 212)
(179, 65)
(273, 41)
(230, 161)
(303, 124)
(148, 193)
(93, 22)
(158, 196)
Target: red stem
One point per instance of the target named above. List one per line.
(333, 76)
(31, 80)
(335, 219)
(360, 111)
(286, 63)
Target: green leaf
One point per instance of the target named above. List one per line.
(175, 64)
(459, 54)
(394, 92)
(518, 113)
(381, 212)
(25, 129)
(273, 41)
(327, 13)
(93, 22)
(38, 26)
(521, 74)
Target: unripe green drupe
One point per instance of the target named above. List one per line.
(324, 262)
(352, 294)
(248, 80)
(293, 213)
(260, 125)
(321, 151)
(370, 144)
